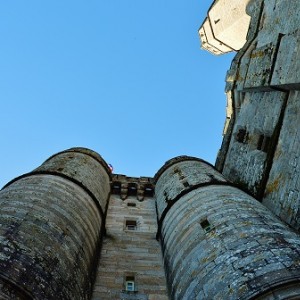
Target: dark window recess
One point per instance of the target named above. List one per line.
(132, 189)
(166, 196)
(130, 284)
(206, 225)
(179, 172)
(148, 191)
(131, 204)
(186, 184)
(263, 143)
(116, 187)
(176, 170)
(130, 224)
(242, 136)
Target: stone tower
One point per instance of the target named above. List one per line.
(218, 242)
(72, 230)
(52, 222)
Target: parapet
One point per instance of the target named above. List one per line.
(125, 186)
(226, 26)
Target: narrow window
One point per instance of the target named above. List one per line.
(131, 204)
(263, 143)
(130, 224)
(185, 183)
(116, 187)
(130, 284)
(148, 191)
(241, 136)
(132, 189)
(166, 197)
(205, 225)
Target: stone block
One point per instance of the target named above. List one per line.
(260, 68)
(286, 73)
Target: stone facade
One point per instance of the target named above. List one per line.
(72, 230)
(130, 248)
(260, 150)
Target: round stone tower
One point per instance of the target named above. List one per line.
(51, 223)
(218, 242)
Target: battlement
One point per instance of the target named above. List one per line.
(126, 186)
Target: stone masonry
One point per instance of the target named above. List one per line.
(218, 242)
(72, 230)
(51, 224)
(260, 150)
(130, 252)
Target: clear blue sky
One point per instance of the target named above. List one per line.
(126, 78)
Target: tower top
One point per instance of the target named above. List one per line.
(226, 26)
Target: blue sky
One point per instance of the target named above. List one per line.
(124, 78)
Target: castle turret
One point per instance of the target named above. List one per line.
(218, 242)
(51, 224)
(225, 27)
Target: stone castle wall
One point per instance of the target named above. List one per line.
(260, 150)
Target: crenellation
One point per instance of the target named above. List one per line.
(128, 186)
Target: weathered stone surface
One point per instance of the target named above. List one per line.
(286, 71)
(259, 71)
(279, 17)
(269, 61)
(220, 243)
(282, 193)
(246, 161)
(82, 165)
(178, 177)
(130, 252)
(50, 231)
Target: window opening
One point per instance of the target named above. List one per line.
(116, 188)
(241, 136)
(166, 197)
(148, 191)
(130, 284)
(132, 189)
(205, 225)
(130, 225)
(263, 143)
(185, 183)
(131, 204)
